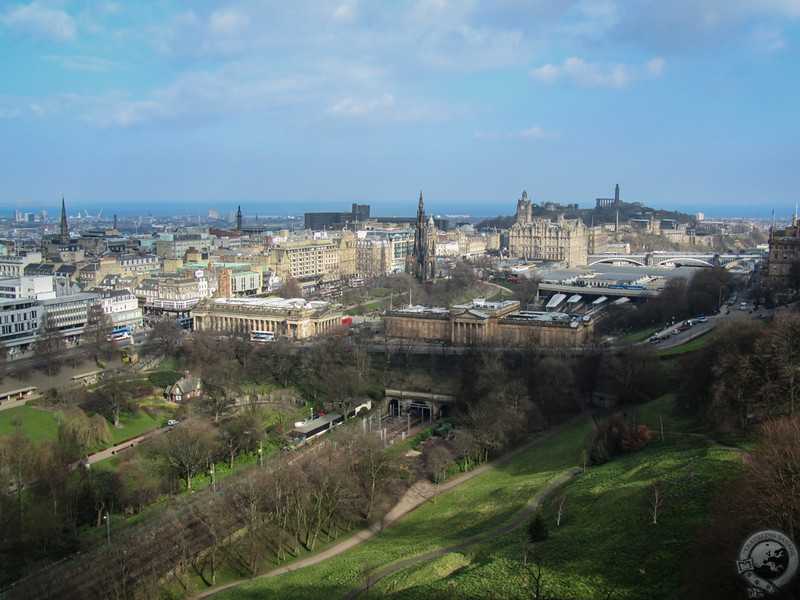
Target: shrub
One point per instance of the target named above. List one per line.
(599, 455)
(537, 530)
(636, 439)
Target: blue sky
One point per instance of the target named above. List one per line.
(283, 107)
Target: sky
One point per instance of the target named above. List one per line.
(285, 107)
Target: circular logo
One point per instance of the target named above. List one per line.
(768, 560)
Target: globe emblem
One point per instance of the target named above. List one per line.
(770, 560)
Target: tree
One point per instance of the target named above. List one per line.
(703, 290)
(537, 529)
(655, 501)
(239, 433)
(95, 334)
(291, 289)
(774, 469)
(186, 449)
(3, 361)
(165, 337)
(17, 453)
(112, 396)
(49, 346)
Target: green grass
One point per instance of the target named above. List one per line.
(136, 425)
(636, 337)
(695, 344)
(38, 425)
(607, 539)
(477, 506)
(41, 425)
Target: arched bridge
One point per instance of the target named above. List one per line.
(668, 259)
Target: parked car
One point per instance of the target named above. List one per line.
(675, 331)
(172, 422)
(702, 319)
(665, 336)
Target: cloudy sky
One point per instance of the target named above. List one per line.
(287, 106)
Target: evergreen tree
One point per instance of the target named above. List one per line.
(537, 530)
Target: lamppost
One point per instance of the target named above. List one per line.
(108, 527)
(213, 479)
(260, 454)
(719, 299)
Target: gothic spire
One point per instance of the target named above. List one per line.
(63, 237)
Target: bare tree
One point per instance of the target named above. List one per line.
(186, 449)
(165, 337)
(655, 501)
(111, 397)
(95, 334)
(49, 347)
(291, 289)
(17, 454)
(561, 509)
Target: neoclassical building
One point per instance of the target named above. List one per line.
(562, 240)
(487, 322)
(294, 318)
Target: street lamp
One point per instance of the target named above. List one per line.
(260, 454)
(108, 527)
(213, 479)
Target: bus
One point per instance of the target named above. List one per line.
(261, 336)
(186, 323)
(120, 333)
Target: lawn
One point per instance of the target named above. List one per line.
(477, 506)
(606, 542)
(40, 425)
(637, 336)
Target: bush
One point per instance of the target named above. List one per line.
(636, 440)
(537, 530)
(599, 455)
(163, 379)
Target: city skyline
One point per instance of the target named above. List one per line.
(186, 107)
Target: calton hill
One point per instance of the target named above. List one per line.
(606, 471)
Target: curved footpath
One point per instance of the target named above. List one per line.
(524, 515)
(416, 496)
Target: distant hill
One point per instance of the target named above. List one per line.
(590, 216)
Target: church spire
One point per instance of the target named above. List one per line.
(63, 237)
(239, 218)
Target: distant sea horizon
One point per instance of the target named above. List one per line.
(378, 209)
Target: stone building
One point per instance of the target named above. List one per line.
(294, 318)
(783, 264)
(486, 322)
(562, 240)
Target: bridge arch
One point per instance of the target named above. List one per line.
(616, 259)
(687, 260)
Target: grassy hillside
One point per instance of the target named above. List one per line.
(606, 543)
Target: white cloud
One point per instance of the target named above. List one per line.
(532, 133)
(351, 107)
(86, 63)
(39, 21)
(228, 22)
(607, 75)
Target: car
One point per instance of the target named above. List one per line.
(172, 422)
(702, 319)
(675, 331)
(665, 336)
(655, 340)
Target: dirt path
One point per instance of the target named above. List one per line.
(419, 493)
